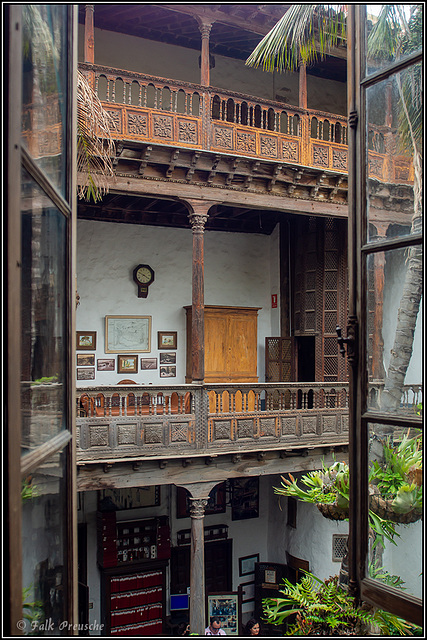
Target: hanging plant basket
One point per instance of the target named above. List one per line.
(384, 509)
(378, 505)
(332, 511)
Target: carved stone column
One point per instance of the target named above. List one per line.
(198, 217)
(89, 44)
(199, 499)
(205, 29)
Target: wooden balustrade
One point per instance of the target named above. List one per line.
(151, 109)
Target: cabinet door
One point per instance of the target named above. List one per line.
(216, 348)
(242, 348)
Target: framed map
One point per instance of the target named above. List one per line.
(127, 334)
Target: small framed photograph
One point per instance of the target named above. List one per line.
(85, 359)
(167, 339)
(248, 591)
(127, 364)
(167, 372)
(168, 358)
(148, 363)
(228, 608)
(88, 373)
(86, 340)
(247, 564)
(106, 364)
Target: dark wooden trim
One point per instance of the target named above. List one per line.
(12, 569)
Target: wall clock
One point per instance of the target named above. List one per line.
(143, 275)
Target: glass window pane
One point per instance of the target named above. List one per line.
(44, 565)
(44, 89)
(394, 330)
(395, 484)
(394, 154)
(44, 287)
(394, 31)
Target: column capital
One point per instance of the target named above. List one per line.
(205, 26)
(197, 507)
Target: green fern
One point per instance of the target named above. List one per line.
(325, 608)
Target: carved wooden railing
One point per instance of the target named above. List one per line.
(115, 423)
(172, 112)
(158, 421)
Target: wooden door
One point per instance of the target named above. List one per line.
(218, 574)
(278, 360)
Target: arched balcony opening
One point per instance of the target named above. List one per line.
(338, 133)
(295, 125)
(102, 88)
(271, 119)
(216, 108)
(180, 101)
(135, 94)
(230, 110)
(257, 117)
(166, 99)
(244, 113)
(151, 96)
(119, 88)
(314, 128)
(195, 104)
(326, 133)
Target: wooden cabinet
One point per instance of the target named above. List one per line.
(134, 599)
(230, 344)
(133, 557)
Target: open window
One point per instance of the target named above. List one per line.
(384, 331)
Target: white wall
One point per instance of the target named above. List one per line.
(406, 558)
(240, 270)
(311, 540)
(179, 63)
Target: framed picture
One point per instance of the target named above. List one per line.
(168, 358)
(245, 498)
(85, 359)
(133, 498)
(247, 564)
(167, 372)
(127, 334)
(86, 340)
(167, 339)
(248, 591)
(216, 502)
(106, 364)
(127, 363)
(88, 373)
(148, 363)
(227, 607)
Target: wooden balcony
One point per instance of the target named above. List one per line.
(156, 422)
(178, 114)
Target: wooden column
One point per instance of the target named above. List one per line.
(198, 217)
(199, 499)
(304, 123)
(302, 100)
(205, 29)
(89, 46)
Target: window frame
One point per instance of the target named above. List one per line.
(406, 606)
(18, 466)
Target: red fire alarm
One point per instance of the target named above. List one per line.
(274, 301)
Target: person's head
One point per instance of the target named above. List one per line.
(183, 629)
(252, 627)
(215, 624)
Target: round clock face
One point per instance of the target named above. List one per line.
(144, 275)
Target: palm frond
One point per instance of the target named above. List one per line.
(304, 32)
(95, 146)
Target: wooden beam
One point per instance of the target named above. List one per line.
(122, 476)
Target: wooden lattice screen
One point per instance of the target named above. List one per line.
(278, 360)
(321, 291)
